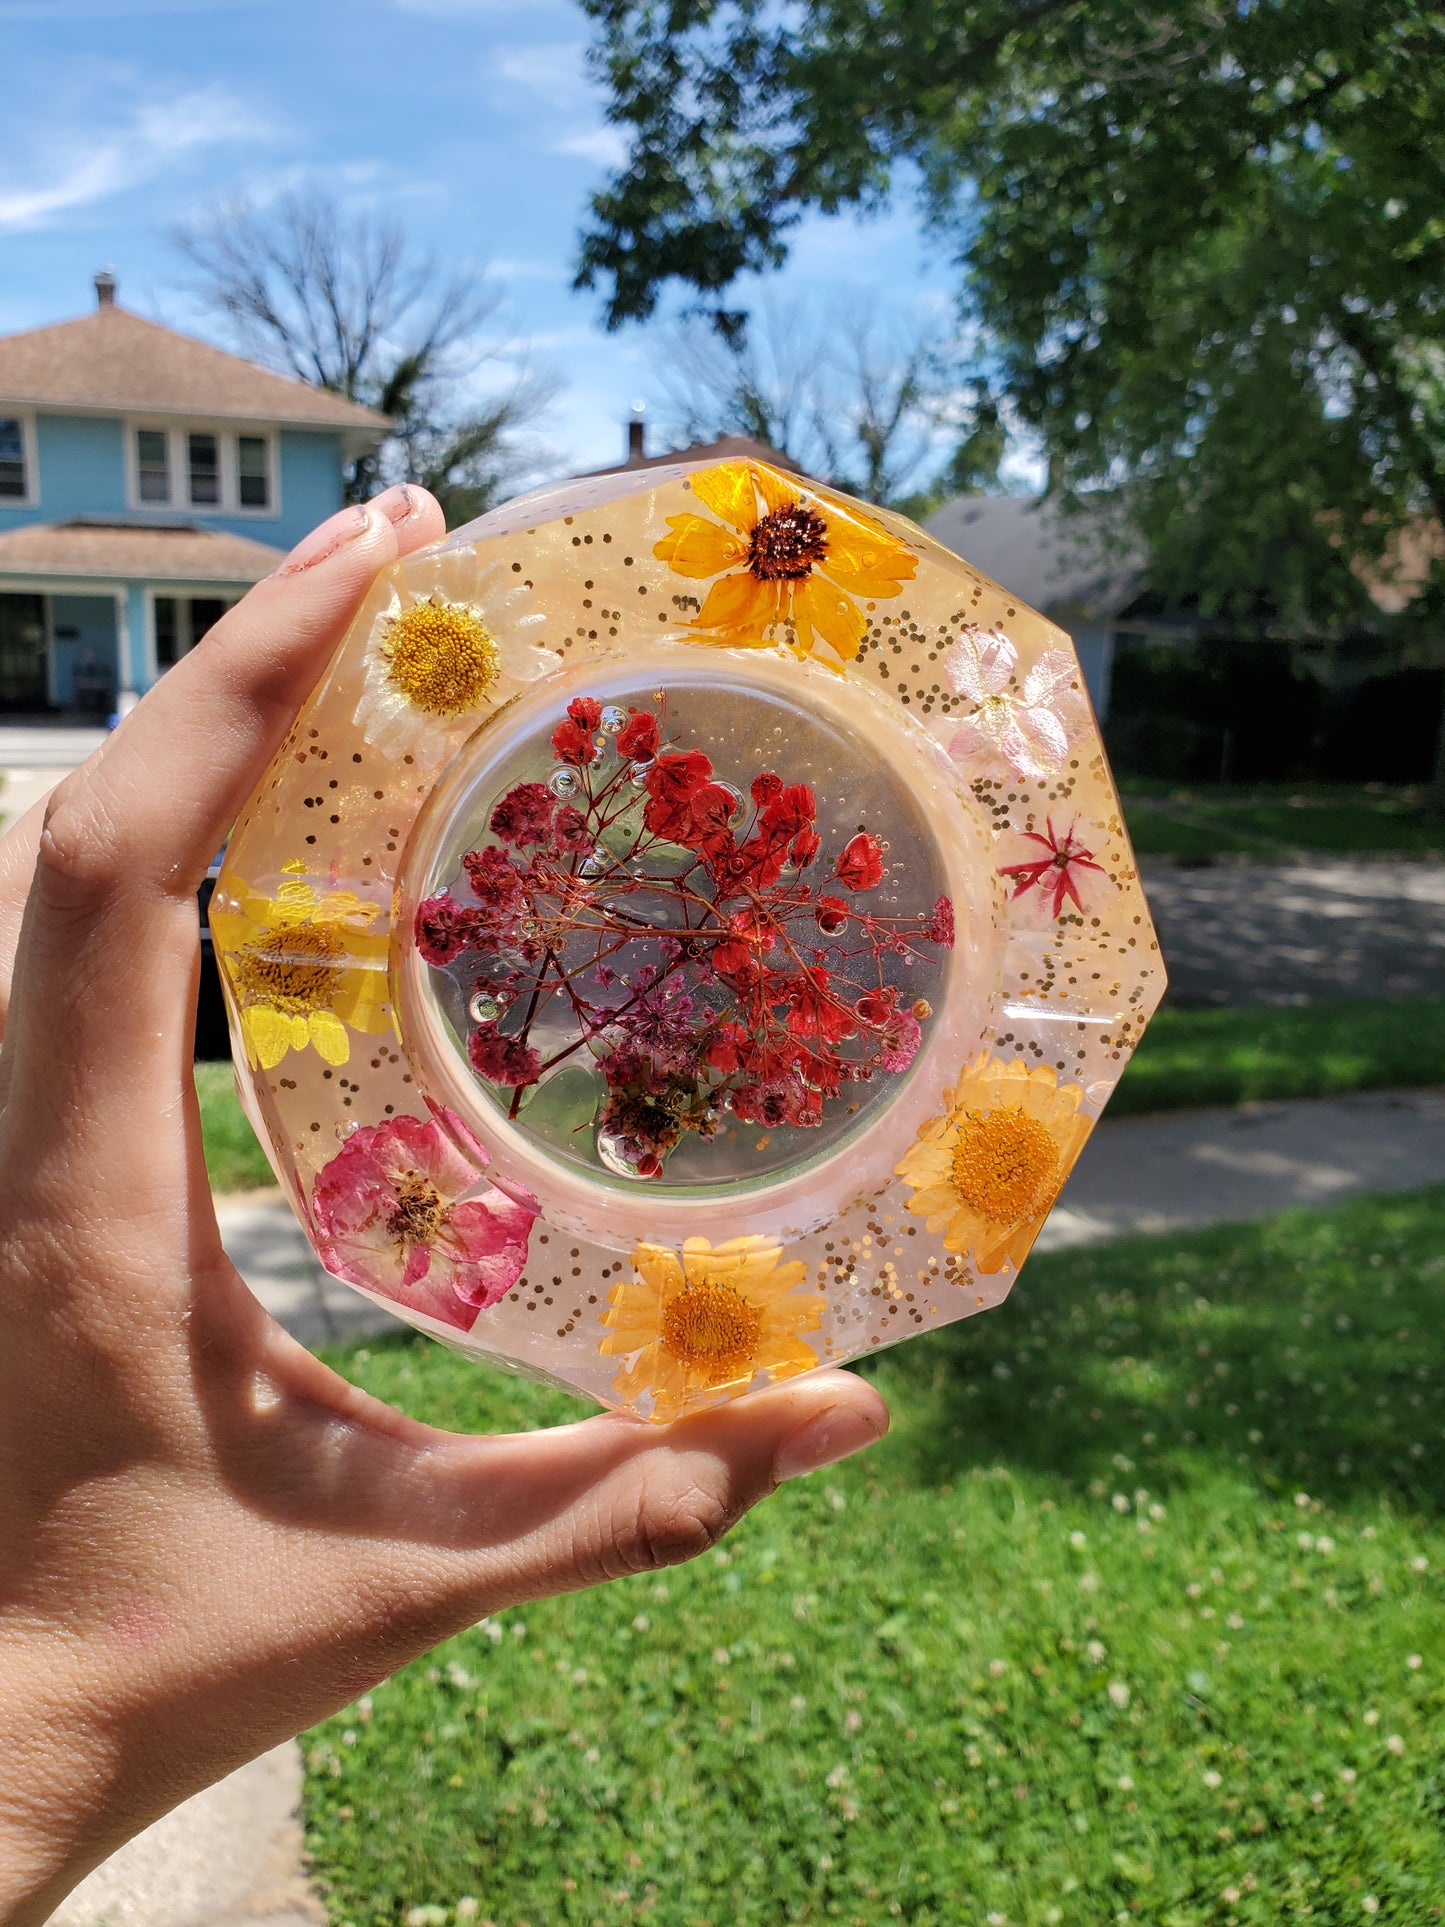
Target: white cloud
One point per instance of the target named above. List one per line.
(603, 146)
(74, 169)
(554, 70)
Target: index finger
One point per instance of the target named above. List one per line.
(107, 947)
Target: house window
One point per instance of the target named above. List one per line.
(205, 467)
(168, 648)
(181, 621)
(13, 484)
(253, 472)
(153, 464)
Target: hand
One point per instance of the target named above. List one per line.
(207, 1539)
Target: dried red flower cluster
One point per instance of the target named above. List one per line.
(727, 982)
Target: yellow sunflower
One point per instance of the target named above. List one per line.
(707, 1320)
(788, 562)
(303, 968)
(987, 1172)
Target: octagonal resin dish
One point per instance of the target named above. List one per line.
(686, 938)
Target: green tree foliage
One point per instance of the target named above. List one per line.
(1202, 245)
(344, 304)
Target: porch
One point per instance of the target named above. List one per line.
(92, 612)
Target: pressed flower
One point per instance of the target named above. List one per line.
(504, 1060)
(860, 867)
(727, 981)
(440, 658)
(525, 814)
(790, 564)
(574, 740)
(1060, 868)
(305, 968)
(395, 1211)
(986, 1173)
(707, 1320)
(639, 736)
(1028, 727)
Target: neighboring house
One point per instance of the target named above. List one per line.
(732, 448)
(146, 481)
(1057, 566)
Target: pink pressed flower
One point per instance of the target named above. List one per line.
(902, 1036)
(391, 1213)
(1057, 866)
(505, 1060)
(495, 883)
(524, 814)
(940, 927)
(444, 929)
(1029, 728)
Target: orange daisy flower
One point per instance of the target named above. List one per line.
(706, 1321)
(789, 561)
(986, 1174)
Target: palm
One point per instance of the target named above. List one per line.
(213, 1538)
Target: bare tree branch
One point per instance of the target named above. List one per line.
(340, 302)
(851, 400)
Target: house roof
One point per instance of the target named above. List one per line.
(131, 552)
(115, 362)
(732, 448)
(1058, 564)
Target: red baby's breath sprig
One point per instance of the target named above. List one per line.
(641, 915)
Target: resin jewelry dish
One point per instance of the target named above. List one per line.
(686, 938)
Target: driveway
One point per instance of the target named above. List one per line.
(1300, 933)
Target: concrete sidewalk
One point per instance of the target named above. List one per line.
(232, 1854)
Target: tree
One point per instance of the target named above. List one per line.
(1200, 240)
(851, 399)
(344, 304)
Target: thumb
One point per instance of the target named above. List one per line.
(521, 1518)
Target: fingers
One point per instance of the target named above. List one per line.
(523, 1518)
(107, 946)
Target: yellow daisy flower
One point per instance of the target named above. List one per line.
(707, 1321)
(441, 653)
(788, 561)
(987, 1173)
(303, 968)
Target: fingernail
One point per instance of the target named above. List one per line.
(342, 528)
(832, 1435)
(396, 504)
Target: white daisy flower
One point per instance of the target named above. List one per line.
(448, 646)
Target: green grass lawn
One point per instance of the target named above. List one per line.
(1136, 1615)
(1277, 822)
(1193, 1057)
(234, 1159)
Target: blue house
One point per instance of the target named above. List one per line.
(146, 480)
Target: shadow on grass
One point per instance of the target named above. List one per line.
(1305, 1352)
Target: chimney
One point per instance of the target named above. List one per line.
(636, 450)
(105, 289)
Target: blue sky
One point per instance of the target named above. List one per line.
(472, 121)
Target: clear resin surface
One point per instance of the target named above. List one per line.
(687, 937)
